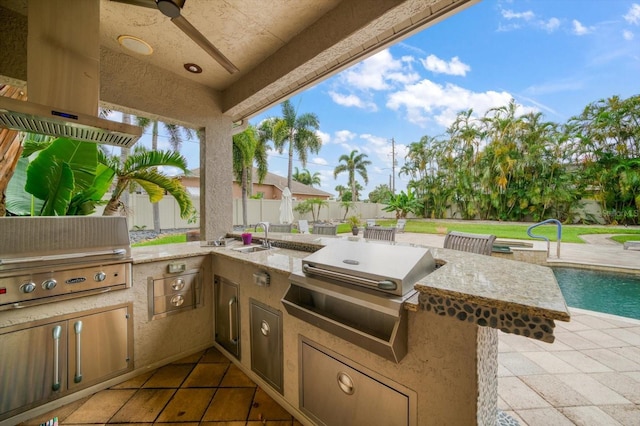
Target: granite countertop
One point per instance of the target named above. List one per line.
(484, 280)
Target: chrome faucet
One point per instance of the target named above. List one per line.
(265, 226)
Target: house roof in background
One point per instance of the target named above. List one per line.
(280, 183)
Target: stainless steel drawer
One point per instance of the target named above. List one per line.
(174, 294)
(334, 393)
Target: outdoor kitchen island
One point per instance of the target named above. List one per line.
(449, 372)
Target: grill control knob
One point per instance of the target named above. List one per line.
(49, 284)
(28, 287)
(100, 276)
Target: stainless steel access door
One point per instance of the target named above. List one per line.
(98, 347)
(227, 315)
(32, 367)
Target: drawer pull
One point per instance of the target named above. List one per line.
(177, 300)
(345, 383)
(177, 284)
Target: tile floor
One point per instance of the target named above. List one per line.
(589, 376)
(204, 389)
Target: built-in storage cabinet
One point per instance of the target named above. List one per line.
(47, 359)
(227, 315)
(334, 393)
(266, 343)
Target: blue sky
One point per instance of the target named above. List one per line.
(552, 56)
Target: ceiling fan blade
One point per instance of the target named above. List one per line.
(205, 44)
(151, 4)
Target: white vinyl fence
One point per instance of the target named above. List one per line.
(141, 212)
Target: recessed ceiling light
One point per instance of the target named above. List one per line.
(194, 68)
(135, 44)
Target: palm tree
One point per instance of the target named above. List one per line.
(297, 133)
(175, 140)
(306, 178)
(141, 168)
(249, 146)
(351, 164)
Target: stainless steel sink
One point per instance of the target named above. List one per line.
(250, 249)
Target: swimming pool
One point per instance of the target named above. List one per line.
(612, 293)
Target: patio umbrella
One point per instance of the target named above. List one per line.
(286, 207)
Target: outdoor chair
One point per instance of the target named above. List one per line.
(472, 243)
(280, 227)
(380, 233)
(325, 229)
(303, 226)
(400, 225)
(371, 222)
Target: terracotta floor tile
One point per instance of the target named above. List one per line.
(169, 376)
(214, 355)
(240, 423)
(205, 376)
(187, 405)
(100, 407)
(134, 383)
(270, 423)
(144, 406)
(265, 408)
(230, 404)
(235, 378)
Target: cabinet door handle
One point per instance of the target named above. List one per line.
(232, 301)
(57, 332)
(264, 328)
(78, 329)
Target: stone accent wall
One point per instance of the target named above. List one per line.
(521, 324)
(487, 368)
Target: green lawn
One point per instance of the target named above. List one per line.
(570, 233)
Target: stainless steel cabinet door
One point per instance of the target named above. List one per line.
(227, 315)
(266, 343)
(32, 367)
(98, 347)
(335, 394)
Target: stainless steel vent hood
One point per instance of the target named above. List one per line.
(34, 118)
(63, 77)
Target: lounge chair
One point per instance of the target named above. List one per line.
(303, 226)
(400, 225)
(371, 222)
(380, 233)
(321, 229)
(280, 227)
(472, 243)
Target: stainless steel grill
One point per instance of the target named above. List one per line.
(45, 259)
(355, 290)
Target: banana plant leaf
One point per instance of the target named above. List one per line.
(85, 202)
(58, 185)
(19, 202)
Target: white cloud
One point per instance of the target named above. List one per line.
(627, 35)
(377, 147)
(550, 25)
(510, 14)
(579, 29)
(633, 15)
(440, 66)
(427, 102)
(352, 101)
(319, 161)
(343, 136)
(371, 73)
(325, 137)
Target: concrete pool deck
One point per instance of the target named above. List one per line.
(590, 375)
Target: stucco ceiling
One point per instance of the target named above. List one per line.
(279, 46)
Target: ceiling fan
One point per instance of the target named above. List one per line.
(171, 9)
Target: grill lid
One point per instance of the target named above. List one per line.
(392, 268)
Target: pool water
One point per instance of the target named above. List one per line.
(612, 293)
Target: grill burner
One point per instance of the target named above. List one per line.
(45, 259)
(356, 291)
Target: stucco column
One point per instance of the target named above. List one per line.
(216, 179)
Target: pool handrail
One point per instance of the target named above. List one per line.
(540, 237)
